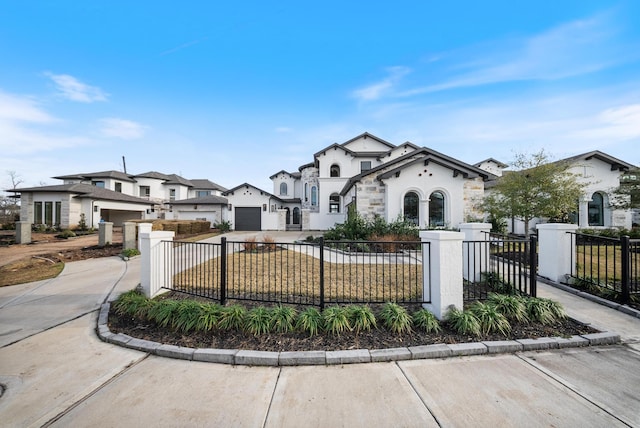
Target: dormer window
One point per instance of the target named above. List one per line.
(283, 188)
(334, 171)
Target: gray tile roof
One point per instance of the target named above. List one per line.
(85, 191)
(203, 200)
(102, 174)
(204, 184)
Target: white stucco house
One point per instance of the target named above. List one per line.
(600, 173)
(366, 174)
(116, 197)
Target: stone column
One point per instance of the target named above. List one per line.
(556, 251)
(156, 267)
(105, 233)
(282, 219)
(442, 275)
(129, 235)
(583, 212)
(23, 232)
(476, 250)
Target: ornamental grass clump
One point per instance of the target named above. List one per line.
(310, 321)
(283, 319)
(164, 312)
(209, 317)
(490, 319)
(258, 321)
(545, 311)
(336, 320)
(511, 306)
(133, 303)
(426, 321)
(187, 315)
(361, 318)
(232, 317)
(464, 322)
(396, 318)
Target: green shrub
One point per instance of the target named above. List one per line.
(310, 321)
(361, 318)
(66, 234)
(283, 318)
(258, 321)
(223, 226)
(130, 252)
(494, 281)
(426, 321)
(232, 317)
(512, 307)
(209, 317)
(336, 320)
(187, 315)
(132, 303)
(490, 319)
(164, 312)
(545, 311)
(464, 322)
(396, 318)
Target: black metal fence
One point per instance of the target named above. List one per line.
(499, 264)
(606, 267)
(318, 274)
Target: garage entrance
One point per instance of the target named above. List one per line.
(248, 218)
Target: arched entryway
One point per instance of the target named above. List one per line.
(411, 209)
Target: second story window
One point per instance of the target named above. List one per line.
(118, 187)
(172, 194)
(145, 191)
(334, 203)
(314, 196)
(365, 166)
(98, 184)
(283, 188)
(202, 193)
(334, 171)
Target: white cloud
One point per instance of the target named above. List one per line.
(283, 130)
(385, 86)
(618, 123)
(22, 108)
(121, 128)
(71, 88)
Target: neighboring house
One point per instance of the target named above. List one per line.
(115, 196)
(601, 174)
(62, 205)
(370, 176)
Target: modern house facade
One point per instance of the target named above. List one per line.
(365, 174)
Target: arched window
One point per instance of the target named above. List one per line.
(314, 196)
(296, 215)
(283, 188)
(596, 210)
(436, 209)
(411, 212)
(306, 192)
(334, 203)
(334, 171)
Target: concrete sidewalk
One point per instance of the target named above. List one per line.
(56, 372)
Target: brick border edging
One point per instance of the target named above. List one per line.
(300, 358)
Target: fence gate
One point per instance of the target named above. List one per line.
(499, 264)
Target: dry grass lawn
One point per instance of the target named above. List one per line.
(287, 272)
(29, 270)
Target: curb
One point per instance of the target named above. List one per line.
(299, 358)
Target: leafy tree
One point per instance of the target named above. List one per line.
(536, 188)
(627, 194)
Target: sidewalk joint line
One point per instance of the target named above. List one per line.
(415, 390)
(273, 394)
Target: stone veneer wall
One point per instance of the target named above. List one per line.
(371, 198)
(473, 192)
(310, 177)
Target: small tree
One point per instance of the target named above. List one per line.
(536, 188)
(82, 224)
(627, 194)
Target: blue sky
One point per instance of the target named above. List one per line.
(237, 91)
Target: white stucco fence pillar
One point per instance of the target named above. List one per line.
(475, 259)
(556, 251)
(143, 228)
(442, 275)
(156, 267)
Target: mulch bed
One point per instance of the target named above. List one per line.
(92, 252)
(374, 339)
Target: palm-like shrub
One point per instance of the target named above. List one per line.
(426, 321)
(511, 306)
(545, 311)
(336, 320)
(310, 321)
(490, 319)
(464, 322)
(258, 321)
(132, 303)
(361, 318)
(164, 311)
(396, 318)
(283, 318)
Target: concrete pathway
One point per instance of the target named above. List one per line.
(54, 371)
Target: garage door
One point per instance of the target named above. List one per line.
(248, 218)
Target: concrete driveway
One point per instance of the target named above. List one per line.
(54, 371)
